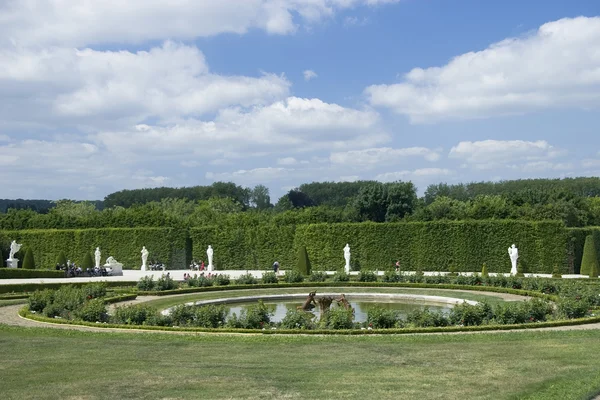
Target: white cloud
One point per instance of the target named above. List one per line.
(590, 163)
(51, 22)
(539, 166)
(382, 155)
(557, 66)
(488, 154)
(416, 174)
(252, 176)
(301, 124)
(287, 161)
(349, 178)
(309, 74)
(167, 81)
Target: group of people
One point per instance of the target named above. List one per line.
(157, 266)
(187, 276)
(197, 265)
(71, 269)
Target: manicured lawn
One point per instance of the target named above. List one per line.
(180, 299)
(51, 363)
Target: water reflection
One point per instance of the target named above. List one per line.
(361, 307)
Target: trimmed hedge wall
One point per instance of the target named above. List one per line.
(16, 273)
(436, 246)
(433, 246)
(169, 245)
(252, 246)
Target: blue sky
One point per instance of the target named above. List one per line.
(108, 96)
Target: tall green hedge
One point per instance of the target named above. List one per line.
(167, 244)
(589, 262)
(435, 246)
(250, 246)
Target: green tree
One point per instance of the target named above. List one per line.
(303, 265)
(589, 262)
(260, 198)
(28, 261)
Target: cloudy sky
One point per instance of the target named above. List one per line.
(102, 95)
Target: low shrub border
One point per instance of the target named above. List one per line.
(19, 273)
(32, 287)
(24, 312)
(124, 297)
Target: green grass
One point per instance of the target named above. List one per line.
(180, 299)
(41, 363)
(4, 303)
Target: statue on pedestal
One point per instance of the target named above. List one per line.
(209, 253)
(14, 248)
(144, 257)
(97, 255)
(347, 258)
(13, 262)
(513, 253)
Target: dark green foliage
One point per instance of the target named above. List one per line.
(572, 308)
(93, 311)
(589, 261)
(303, 265)
(28, 261)
(94, 290)
(137, 314)
(87, 262)
(383, 318)
(62, 258)
(293, 276)
(367, 276)
(146, 283)
(317, 276)
(39, 299)
(468, 315)
(222, 280)
(209, 316)
(165, 282)
(341, 276)
(246, 279)
(269, 277)
(127, 198)
(256, 316)
(337, 318)
(426, 318)
(298, 319)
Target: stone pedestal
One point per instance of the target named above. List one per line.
(12, 263)
(143, 268)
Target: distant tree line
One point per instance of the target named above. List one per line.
(574, 201)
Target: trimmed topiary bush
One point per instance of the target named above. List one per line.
(303, 265)
(484, 271)
(28, 261)
(62, 258)
(87, 262)
(589, 262)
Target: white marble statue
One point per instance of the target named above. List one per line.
(14, 248)
(347, 258)
(97, 255)
(209, 253)
(113, 266)
(144, 257)
(513, 252)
